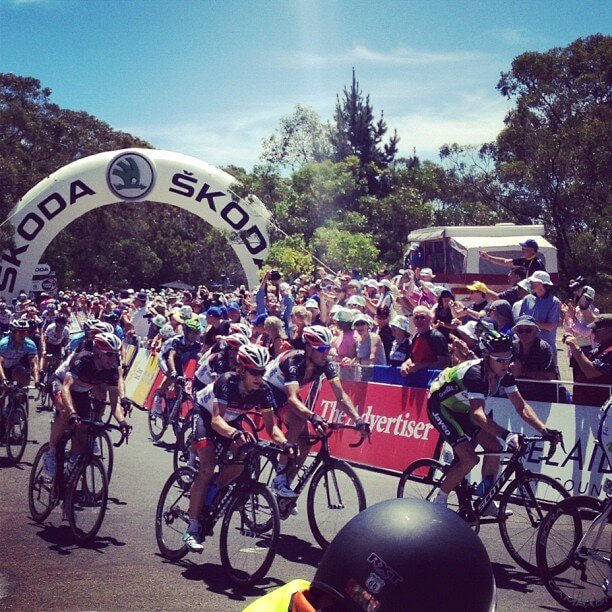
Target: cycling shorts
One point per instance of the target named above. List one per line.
(54, 349)
(81, 401)
(203, 432)
(455, 427)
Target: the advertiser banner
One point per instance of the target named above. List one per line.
(141, 377)
(401, 431)
(188, 369)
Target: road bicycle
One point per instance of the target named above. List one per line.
(82, 485)
(250, 529)
(574, 547)
(45, 394)
(523, 503)
(335, 495)
(14, 421)
(171, 410)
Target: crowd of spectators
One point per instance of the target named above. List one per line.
(404, 320)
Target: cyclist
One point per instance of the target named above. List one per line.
(165, 332)
(218, 408)
(456, 407)
(290, 372)
(84, 340)
(18, 355)
(55, 338)
(212, 365)
(175, 352)
(96, 372)
(400, 554)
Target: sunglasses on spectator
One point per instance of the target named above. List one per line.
(322, 349)
(525, 330)
(254, 372)
(420, 316)
(501, 359)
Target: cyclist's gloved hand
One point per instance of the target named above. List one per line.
(179, 380)
(318, 422)
(4, 383)
(125, 427)
(240, 437)
(173, 375)
(125, 403)
(512, 441)
(362, 426)
(289, 448)
(554, 434)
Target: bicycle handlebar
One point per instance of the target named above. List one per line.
(331, 427)
(125, 431)
(555, 438)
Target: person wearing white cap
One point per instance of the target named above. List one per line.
(400, 349)
(544, 307)
(370, 349)
(315, 312)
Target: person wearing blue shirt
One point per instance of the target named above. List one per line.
(18, 355)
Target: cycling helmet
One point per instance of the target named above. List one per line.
(89, 323)
(235, 341)
(107, 342)
(159, 320)
(192, 324)
(19, 325)
(32, 323)
(63, 305)
(317, 335)
(241, 328)
(405, 554)
(111, 317)
(253, 356)
(166, 331)
(494, 342)
(61, 319)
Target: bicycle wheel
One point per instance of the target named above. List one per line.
(181, 456)
(40, 489)
(573, 554)
(158, 422)
(247, 548)
(529, 498)
(16, 433)
(421, 480)
(102, 448)
(172, 514)
(335, 496)
(86, 499)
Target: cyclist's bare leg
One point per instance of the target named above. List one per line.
(230, 471)
(490, 463)
(465, 460)
(206, 455)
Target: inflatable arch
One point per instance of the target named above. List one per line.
(131, 175)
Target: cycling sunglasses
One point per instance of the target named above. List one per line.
(115, 353)
(254, 372)
(501, 359)
(322, 349)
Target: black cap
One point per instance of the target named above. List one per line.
(603, 321)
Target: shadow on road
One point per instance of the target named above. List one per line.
(297, 550)
(6, 463)
(510, 577)
(167, 446)
(62, 542)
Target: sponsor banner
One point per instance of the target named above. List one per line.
(582, 467)
(401, 431)
(141, 377)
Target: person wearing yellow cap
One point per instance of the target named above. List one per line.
(478, 294)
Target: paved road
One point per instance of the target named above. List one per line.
(41, 569)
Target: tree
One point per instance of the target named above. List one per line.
(357, 134)
(301, 139)
(553, 156)
(290, 257)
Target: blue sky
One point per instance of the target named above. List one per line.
(213, 78)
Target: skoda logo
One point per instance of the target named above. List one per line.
(130, 176)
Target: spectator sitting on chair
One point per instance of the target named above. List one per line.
(534, 360)
(529, 260)
(544, 307)
(429, 346)
(515, 293)
(595, 366)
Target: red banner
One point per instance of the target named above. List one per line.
(401, 431)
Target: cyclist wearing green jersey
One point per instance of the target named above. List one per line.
(456, 407)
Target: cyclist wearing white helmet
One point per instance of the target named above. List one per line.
(217, 413)
(97, 372)
(287, 374)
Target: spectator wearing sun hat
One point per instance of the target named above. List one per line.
(401, 347)
(344, 346)
(529, 259)
(544, 307)
(312, 306)
(370, 349)
(386, 296)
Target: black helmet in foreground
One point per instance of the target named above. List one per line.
(406, 554)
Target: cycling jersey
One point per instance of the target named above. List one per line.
(14, 354)
(183, 351)
(212, 365)
(228, 391)
(82, 367)
(455, 387)
(55, 335)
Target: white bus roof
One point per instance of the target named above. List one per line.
(521, 232)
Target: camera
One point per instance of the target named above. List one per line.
(565, 337)
(576, 283)
(275, 275)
